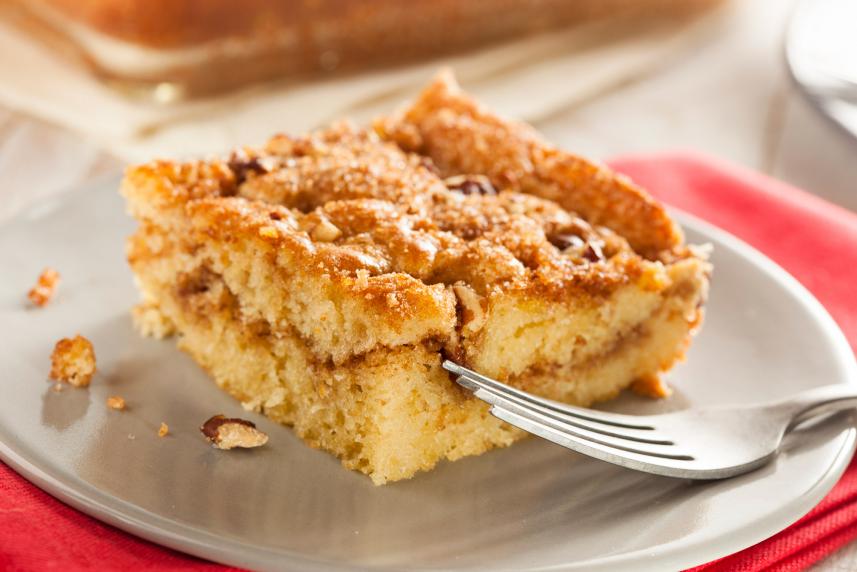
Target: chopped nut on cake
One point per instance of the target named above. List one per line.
(321, 278)
(73, 361)
(116, 402)
(229, 432)
(45, 287)
(163, 430)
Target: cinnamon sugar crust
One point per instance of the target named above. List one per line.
(460, 136)
(385, 212)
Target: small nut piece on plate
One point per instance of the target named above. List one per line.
(227, 433)
(116, 402)
(73, 361)
(163, 430)
(45, 287)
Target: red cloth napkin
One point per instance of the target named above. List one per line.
(812, 239)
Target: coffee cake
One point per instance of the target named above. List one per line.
(322, 279)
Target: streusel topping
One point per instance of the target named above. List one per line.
(461, 136)
(365, 204)
(351, 202)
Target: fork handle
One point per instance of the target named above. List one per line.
(819, 401)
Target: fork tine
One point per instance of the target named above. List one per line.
(631, 435)
(503, 404)
(611, 419)
(658, 466)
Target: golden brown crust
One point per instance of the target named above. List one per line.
(350, 204)
(357, 271)
(462, 137)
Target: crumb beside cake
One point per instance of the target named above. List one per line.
(45, 288)
(322, 279)
(73, 361)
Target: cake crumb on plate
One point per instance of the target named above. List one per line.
(46, 285)
(73, 361)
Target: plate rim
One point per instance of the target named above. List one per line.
(680, 554)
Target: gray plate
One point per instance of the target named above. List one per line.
(286, 506)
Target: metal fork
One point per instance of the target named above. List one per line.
(707, 443)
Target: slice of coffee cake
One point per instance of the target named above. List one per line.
(322, 279)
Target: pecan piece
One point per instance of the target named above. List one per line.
(565, 241)
(228, 432)
(593, 252)
(325, 231)
(471, 185)
(242, 165)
